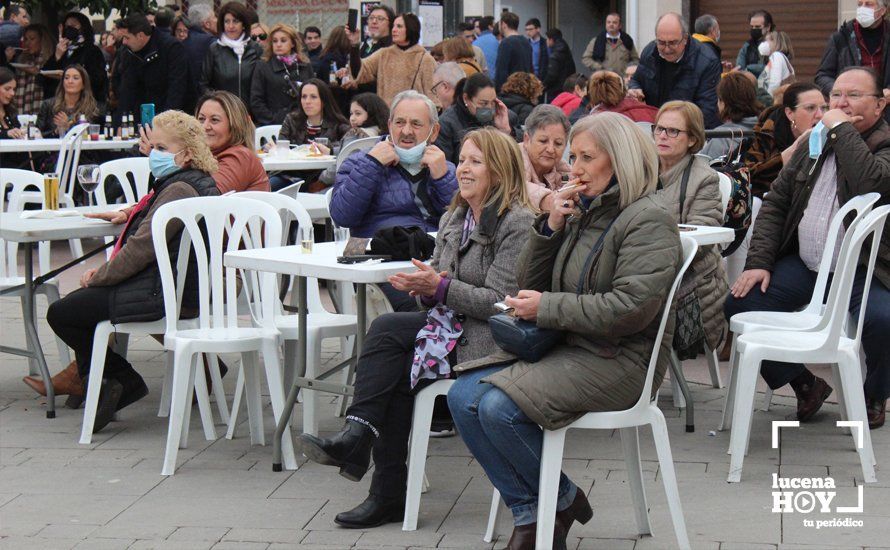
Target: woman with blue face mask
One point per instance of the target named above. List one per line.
(476, 106)
(124, 288)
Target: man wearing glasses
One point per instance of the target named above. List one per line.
(672, 67)
(850, 156)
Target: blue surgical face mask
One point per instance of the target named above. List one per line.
(412, 155)
(162, 163)
(817, 139)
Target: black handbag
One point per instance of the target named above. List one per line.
(689, 332)
(403, 243)
(527, 340)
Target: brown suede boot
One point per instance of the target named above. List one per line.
(67, 382)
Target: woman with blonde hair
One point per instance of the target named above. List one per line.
(74, 97)
(473, 266)
(458, 50)
(598, 267)
(274, 91)
(691, 194)
(124, 288)
(778, 71)
(607, 91)
(520, 94)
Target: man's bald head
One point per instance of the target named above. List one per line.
(671, 36)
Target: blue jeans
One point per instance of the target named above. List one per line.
(790, 288)
(505, 442)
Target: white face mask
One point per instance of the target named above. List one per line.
(763, 48)
(865, 16)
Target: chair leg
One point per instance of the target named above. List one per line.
(347, 344)
(182, 362)
(219, 391)
(276, 392)
(680, 378)
(548, 486)
(420, 438)
(493, 513)
(749, 367)
(251, 371)
(767, 399)
(166, 385)
(630, 442)
(120, 343)
(187, 417)
(851, 379)
(679, 397)
(52, 295)
(94, 384)
(713, 366)
(236, 403)
(726, 418)
(841, 397)
(204, 401)
(669, 477)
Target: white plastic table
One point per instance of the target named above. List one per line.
(705, 235)
(54, 144)
(316, 204)
(321, 264)
(14, 228)
(273, 163)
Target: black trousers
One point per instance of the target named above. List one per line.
(383, 397)
(74, 319)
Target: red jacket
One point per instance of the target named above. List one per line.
(635, 110)
(567, 101)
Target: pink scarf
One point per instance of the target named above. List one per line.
(140, 206)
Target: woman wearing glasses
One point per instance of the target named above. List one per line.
(691, 194)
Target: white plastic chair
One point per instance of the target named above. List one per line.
(363, 144)
(322, 323)
(824, 343)
(809, 317)
(212, 227)
(264, 134)
(725, 190)
(123, 170)
(644, 412)
(20, 180)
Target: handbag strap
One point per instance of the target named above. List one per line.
(683, 184)
(594, 252)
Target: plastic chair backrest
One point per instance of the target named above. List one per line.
(290, 209)
(12, 203)
(265, 134)
(689, 249)
(725, 190)
(862, 205)
(835, 316)
(646, 127)
(292, 190)
(69, 157)
(363, 144)
(213, 226)
(129, 172)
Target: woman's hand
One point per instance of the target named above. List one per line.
(342, 72)
(85, 278)
(116, 217)
(61, 122)
(563, 205)
(145, 139)
(502, 117)
(422, 282)
(16, 133)
(322, 149)
(350, 84)
(525, 304)
(62, 47)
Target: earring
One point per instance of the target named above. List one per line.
(794, 124)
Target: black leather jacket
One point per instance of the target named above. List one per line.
(274, 91)
(157, 74)
(223, 71)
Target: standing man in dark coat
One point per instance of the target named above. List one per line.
(514, 51)
(559, 65)
(153, 69)
(196, 46)
(673, 67)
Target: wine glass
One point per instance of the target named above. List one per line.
(88, 177)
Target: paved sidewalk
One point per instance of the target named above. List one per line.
(55, 493)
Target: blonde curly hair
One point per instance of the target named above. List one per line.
(186, 129)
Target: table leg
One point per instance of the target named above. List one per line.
(31, 333)
(302, 352)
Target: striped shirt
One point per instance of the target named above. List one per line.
(812, 232)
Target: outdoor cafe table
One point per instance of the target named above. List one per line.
(54, 144)
(28, 231)
(274, 163)
(320, 264)
(704, 235)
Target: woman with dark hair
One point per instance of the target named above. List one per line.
(180, 28)
(76, 47)
(277, 81)
(368, 117)
(32, 87)
(476, 105)
(738, 107)
(520, 94)
(405, 65)
(231, 60)
(333, 66)
(74, 98)
(316, 117)
(9, 124)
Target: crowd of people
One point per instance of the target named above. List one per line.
(475, 147)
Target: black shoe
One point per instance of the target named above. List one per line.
(810, 398)
(442, 428)
(350, 449)
(371, 513)
(109, 399)
(134, 390)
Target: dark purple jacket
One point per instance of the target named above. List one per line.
(368, 196)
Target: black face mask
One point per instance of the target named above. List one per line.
(756, 34)
(71, 33)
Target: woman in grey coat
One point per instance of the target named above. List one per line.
(473, 267)
(600, 274)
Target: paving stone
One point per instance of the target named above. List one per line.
(36, 543)
(240, 546)
(69, 480)
(606, 544)
(64, 509)
(104, 544)
(341, 537)
(464, 540)
(170, 545)
(213, 534)
(392, 535)
(67, 531)
(209, 483)
(147, 531)
(285, 536)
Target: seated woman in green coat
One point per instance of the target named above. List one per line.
(598, 267)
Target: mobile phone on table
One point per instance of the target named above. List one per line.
(147, 113)
(352, 20)
(359, 258)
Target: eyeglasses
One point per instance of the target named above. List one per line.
(852, 96)
(256, 37)
(672, 44)
(671, 132)
(812, 108)
(377, 19)
(436, 85)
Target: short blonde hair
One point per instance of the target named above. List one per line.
(630, 150)
(294, 38)
(781, 43)
(692, 115)
(505, 168)
(188, 131)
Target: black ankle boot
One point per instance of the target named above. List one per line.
(371, 513)
(350, 449)
(109, 397)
